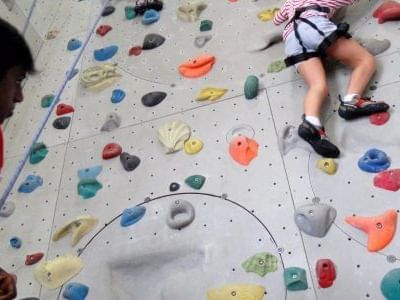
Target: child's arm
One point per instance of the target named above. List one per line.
(281, 16)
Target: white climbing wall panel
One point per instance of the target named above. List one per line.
(240, 211)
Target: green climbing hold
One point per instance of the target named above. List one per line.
(295, 279)
(38, 153)
(261, 263)
(46, 100)
(130, 12)
(195, 181)
(88, 188)
(390, 286)
(276, 66)
(251, 87)
(206, 25)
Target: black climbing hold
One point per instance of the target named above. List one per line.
(174, 186)
(62, 123)
(129, 162)
(152, 41)
(108, 10)
(153, 98)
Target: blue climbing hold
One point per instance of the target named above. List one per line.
(374, 161)
(150, 16)
(15, 242)
(88, 188)
(30, 184)
(390, 286)
(89, 173)
(74, 44)
(75, 291)
(105, 53)
(117, 96)
(132, 215)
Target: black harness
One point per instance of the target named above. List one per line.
(341, 31)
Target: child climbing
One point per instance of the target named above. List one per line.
(309, 36)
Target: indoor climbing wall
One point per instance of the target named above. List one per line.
(146, 177)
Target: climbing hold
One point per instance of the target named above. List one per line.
(374, 46)
(15, 242)
(74, 44)
(276, 66)
(117, 96)
(295, 279)
(130, 12)
(251, 87)
(63, 109)
(201, 40)
(113, 121)
(108, 10)
(61, 123)
(267, 14)
(198, 66)
(289, 139)
(77, 227)
(186, 211)
(379, 118)
(263, 42)
(89, 173)
(243, 150)
(190, 12)
(88, 188)
(46, 100)
(102, 30)
(315, 219)
(237, 292)
(75, 291)
(135, 50)
(106, 53)
(326, 272)
(193, 146)
(153, 98)
(99, 77)
(132, 215)
(206, 25)
(38, 153)
(52, 34)
(211, 93)
(390, 286)
(7, 209)
(142, 7)
(150, 16)
(195, 181)
(387, 11)
(152, 41)
(327, 165)
(54, 273)
(173, 135)
(31, 183)
(388, 180)
(111, 150)
(374, 161)
(32, 259)
(239, 130)
(72, 74)
(174, 186)
(261, 263)
(129, 162)
(380, 229)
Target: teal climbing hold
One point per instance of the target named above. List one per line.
(130, 12)
(38, 153)
(390, 285)
(132, 215)
(89, 173)
(206, 25)
(88, 188)
(261, 263)
(74, 44)
(105, 53)
(251, 87)
(195, 181)
(295, 279)
(31, 183)
(46, 100)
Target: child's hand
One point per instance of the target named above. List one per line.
(8, 288)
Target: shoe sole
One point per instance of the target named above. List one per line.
(350, 114)
(312, 143)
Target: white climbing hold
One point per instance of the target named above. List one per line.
(173, 135)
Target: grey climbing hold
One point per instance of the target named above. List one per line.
(174, 186)
(374, 46)
(184, 208)
(129, 162)
(251, 87)
(153, 98)
(315, 219)
(289, 139)
(113, 121)
(152, 41)
(7, 209)
(108, 10)
(201, 40)
(62, 122)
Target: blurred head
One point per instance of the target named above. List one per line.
(15, 62)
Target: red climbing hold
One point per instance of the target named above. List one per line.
(388, 180)
(111, 150)
(389, 10)
(33, 258)
(379, 118)
(63, 109)
(135, 50)
(326, 272)
(102, 30)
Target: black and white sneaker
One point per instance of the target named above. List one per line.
(360, 107)
(142, 6)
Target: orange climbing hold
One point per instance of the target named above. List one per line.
(243, 150)
(380, 229)
(198, 66)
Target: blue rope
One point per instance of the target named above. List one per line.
(28, 19)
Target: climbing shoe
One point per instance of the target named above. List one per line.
(318, 139)
(142, 6)
(360, 107)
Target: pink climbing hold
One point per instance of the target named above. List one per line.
(111, 150)
(387, 11)
(102, 30)
(379, 118)
(388, 180)
(63, 109)
(135, 50)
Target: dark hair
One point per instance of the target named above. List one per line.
(14, 51)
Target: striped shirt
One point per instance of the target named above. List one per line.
(286, 12)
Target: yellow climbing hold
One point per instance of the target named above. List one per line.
(99, 77)
(237, 292)
(211, 93)
(193, 146)
(328, 165)
(77, 227)
(267, 14)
